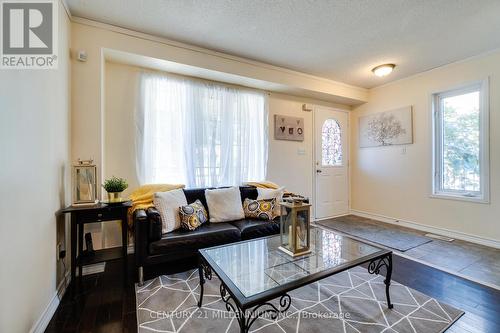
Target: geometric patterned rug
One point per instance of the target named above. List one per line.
(351, 301)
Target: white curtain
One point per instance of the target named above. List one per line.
(200, 133)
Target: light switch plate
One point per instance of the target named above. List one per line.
(301, 151)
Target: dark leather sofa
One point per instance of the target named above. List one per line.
(153, 248)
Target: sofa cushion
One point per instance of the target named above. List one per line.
(194, 194)
(207, 235)
(267, 193)
(193, 215)
(259, 209)
(251, 228)
(167, 204)
(224, 204)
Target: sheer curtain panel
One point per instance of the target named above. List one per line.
(200, 133)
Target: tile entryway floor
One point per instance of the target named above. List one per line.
(472, 261)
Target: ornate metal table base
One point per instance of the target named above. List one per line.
(246, 317)
(374, 268)
(205, 272)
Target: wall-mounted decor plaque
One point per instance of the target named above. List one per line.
(288, 128)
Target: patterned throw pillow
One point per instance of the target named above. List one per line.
(269, 193)
(193, 215)
(259, 209)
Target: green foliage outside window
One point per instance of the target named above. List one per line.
(461, 149)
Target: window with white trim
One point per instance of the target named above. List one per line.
(461, 143)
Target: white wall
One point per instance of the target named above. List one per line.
(285, 165)
(387, 182)
(34, 141)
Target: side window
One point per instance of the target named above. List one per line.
(461, 143)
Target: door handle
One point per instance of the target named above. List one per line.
(318, 171)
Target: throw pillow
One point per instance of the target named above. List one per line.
(259, 209)
(167, 204)
(193, 215)
(224, 204)
(267, 193)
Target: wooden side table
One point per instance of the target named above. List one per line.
(81, 215)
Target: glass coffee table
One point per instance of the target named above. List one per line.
(255, 272)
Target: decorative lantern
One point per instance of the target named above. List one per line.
(84, 183)
(295, 228)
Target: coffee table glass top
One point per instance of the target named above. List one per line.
(258, 265)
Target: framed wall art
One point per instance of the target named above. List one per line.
(288, 128)
(388, 128)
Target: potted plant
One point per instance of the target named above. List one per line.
(115, 186)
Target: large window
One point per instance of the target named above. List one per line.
(461, 143)
(200, 133)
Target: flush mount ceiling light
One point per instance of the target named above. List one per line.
(383, 70)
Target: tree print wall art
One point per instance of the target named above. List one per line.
(388, 128)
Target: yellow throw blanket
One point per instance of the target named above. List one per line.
(142, 197)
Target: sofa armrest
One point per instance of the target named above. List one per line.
(141, 230)
(140, 215)
(155, 224)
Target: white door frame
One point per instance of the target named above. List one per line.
(315, 107)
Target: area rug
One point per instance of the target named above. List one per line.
(374, 232)
(351, 301)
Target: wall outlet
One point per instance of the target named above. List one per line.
(61, 252)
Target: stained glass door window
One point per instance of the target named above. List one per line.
(331, 143)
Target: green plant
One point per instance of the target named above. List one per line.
(115, 184)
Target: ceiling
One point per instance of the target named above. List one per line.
(339, 40)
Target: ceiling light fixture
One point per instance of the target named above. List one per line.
(383, 70)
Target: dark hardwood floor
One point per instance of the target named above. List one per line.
(481, 304)
(106, 302)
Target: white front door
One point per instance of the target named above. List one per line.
(331, 162)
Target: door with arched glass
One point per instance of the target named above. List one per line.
(331, 163)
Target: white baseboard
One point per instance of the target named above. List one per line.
(63, 285)
(439, 231)
(42, 322)
(332, 217)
